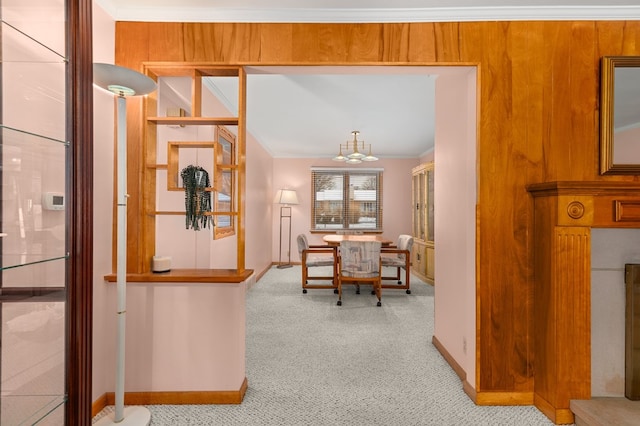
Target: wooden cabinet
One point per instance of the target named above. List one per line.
(423, 253)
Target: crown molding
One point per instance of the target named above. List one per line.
(374, 15)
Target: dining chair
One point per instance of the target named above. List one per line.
(398, 257)
(359, 262)
(312, 256)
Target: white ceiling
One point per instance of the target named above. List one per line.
(309, 111)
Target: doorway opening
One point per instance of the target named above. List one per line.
(450, 106)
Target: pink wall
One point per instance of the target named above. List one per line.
(258, 206)
(173, 343)
(455, 223)
(295, 173)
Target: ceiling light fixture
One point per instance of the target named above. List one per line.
(355, 156)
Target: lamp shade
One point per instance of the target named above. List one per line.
(286, 196)
(122, 81)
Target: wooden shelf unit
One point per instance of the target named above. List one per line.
(194, 109)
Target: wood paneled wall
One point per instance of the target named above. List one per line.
(538, 122)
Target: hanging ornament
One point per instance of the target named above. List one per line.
(197, 200)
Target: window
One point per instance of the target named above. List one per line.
(346, 199)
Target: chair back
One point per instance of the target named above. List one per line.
(303, 244)
(360, 259)
(405, 242)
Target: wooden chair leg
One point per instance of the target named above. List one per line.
(406, 279)
(304, 278)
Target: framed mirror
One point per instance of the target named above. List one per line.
(224, 183)
(620, 115)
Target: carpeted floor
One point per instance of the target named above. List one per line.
(310, 362)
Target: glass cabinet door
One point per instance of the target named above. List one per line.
(430, 207)
(423, 202)
(415, 219)
(33, 156)
(418, 205)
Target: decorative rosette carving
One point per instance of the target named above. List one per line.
(575, 209)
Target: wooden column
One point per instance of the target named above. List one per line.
(79, 305)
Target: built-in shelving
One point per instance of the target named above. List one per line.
(189, 122)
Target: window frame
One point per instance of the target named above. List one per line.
(345, 204)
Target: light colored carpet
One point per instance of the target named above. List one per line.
(310, 362)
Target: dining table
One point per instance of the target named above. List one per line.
(335, 239)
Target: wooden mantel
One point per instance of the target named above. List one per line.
(564, 213)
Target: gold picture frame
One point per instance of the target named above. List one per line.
(224, 197)
(619, 118)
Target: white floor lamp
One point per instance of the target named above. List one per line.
(285, 197)
(122, 82)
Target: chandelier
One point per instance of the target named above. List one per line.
(355, 156)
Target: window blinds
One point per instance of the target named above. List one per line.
(346, 200)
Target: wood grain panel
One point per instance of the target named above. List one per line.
(468, 51)
(168, 42)
(630, 39)
(505, 159)
(337, 43)
(132, 45)
(560, 77)
(448, 42)
(136, 183)
(276, 43)
(229, 43)
(538, 104)
(528, 109)
(543, 314)
(408, 43)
